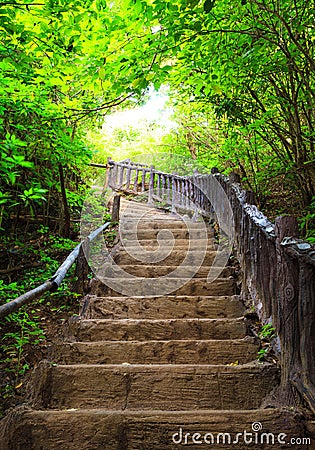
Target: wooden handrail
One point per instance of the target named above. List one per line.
(172, 189)
(54, 282)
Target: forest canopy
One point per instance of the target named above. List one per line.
(240, 73)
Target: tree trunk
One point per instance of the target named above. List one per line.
(65, 229)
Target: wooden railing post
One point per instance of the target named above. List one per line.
(121, 177)
(151, 186)
(143, 180)
(114, 177)
(186, 193)
(116, 208)
(286, 318)
(81, 285)
(128, 177)
(135, 183)
(169, 187)
(181, 193)
(173, 210)
(304, 379)
(195, 195)
(158, 186)
(163, 184)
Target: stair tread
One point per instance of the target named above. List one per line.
(157, 271)
(165, 307)
(159, 341)
(92, 429)
(135, 369)
(197, 319)
(205, 413)
(157, 386)
(248, 367)
(162, 351)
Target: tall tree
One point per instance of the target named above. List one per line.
(253, 61)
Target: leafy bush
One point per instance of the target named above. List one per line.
(24, 332)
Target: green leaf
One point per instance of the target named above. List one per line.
(208, 6)
(11, 176)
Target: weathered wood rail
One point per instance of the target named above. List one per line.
(55, 281)
(278, 268)
(178, 192)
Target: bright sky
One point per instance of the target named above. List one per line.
(155, 110)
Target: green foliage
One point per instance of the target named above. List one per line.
(266, 334)
(242, 73)
(262, 354)
(27, 330)
(307, 223)
(24, 327)
(252, 67)
(58, 74)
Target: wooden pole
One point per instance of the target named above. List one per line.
(151, 185)
(174, 201)
(168, 178)
(287, 316)
(82, 269)
(143, 180)
(121, 176)
(128, 178)
(116, 208)
(135, 184)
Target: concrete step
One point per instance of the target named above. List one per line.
(168, 222)
(177, 233)
(195, 259)
(94, 330)
(151, 271)
(152, 430)
(177, 244)
(239, 351)
(167, 307)
(160, 271)
(142, 286)
(144, 214)
(163, 387)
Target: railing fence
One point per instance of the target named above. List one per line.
(278, 268)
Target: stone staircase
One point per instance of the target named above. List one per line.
(148, 372)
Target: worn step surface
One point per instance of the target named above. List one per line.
(150, 245)
(161, 387)
(100, 429)
(193, 258)
(145, 370)
(142, 286)
(167, 307)
(94, 330)
(155, 271)
(157, 352)
(180, 234)
(169, 223)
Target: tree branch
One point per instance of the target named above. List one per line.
(21, 4)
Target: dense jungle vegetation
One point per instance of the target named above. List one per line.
(240, 76)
